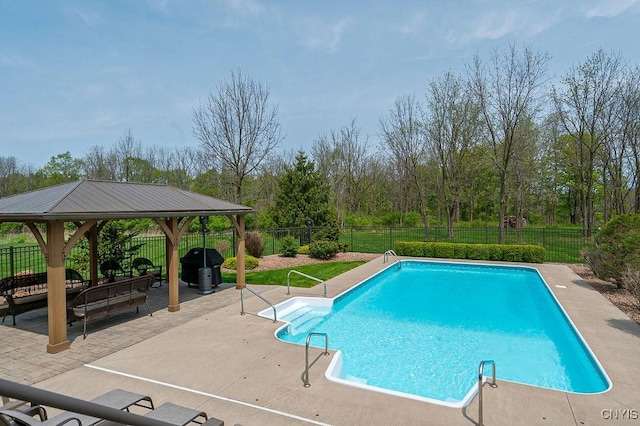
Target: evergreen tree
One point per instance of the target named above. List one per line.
(303, 193)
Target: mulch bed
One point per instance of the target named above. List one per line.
(620, 297)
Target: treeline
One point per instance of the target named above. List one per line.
(499, 139)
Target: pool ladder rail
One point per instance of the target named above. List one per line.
(493, 384)
(275, 318)
(391, 253)
(293, 271)
(305, 376)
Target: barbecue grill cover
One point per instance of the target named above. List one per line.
(194, 260)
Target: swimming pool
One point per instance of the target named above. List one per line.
(419, 329)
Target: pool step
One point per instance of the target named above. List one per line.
(303, 319)
(306, 326)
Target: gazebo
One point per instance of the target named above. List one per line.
(89, 204)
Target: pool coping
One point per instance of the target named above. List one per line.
(232, 366)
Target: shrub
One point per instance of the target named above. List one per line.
(323, 249)
(330, 232)
(504, 252)
(222, 245)
(250, 262)
(614, 247)
(303, 249)
(254, 244)
(631, 280)
(289, 247)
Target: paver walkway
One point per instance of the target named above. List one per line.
(23, 356)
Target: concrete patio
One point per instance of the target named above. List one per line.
(208, 356)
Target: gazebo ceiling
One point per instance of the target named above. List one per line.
(93, 199)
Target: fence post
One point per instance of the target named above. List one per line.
(12, 268)
(233, 242)
(351, 242)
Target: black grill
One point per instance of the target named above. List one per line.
(194, 259)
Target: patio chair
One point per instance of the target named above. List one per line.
(18, 418)
(116, 398)
(110, 269)
(122, 400)
(20, 407)
(144, 266)
(177, 415)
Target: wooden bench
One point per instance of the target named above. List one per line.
(106, 299)
(27, 292)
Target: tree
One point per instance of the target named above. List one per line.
(630, 131)
(303, 193)
(586, 108)
(342, 157)
(402, 135)
(507, 92)
(524, 171)
(127, 151)
(61, 168)
(9, 176)
(96, 164)
(452, 128)
(237, 128)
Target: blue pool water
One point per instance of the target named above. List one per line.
(420, 330)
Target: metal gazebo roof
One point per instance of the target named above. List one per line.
(93, 199)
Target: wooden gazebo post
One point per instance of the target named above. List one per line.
(57, 298)
(240, 273)
(173, 233)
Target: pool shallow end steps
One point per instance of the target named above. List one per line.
(299, 313)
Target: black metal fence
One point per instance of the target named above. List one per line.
(562, 244)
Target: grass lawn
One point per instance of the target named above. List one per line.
(323, 271)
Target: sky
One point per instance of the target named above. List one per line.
(80, 73)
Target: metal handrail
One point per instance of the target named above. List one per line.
(275, 318)
(493, 384)
(305, 379)
(390, 253)
(74, 405)
(306, 276)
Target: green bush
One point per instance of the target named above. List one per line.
(501, 252)
(289, 247)
(323, 249)
(330, 232)
(303, 249)
(250, 262)
(614, 247)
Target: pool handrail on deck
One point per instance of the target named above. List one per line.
(493, 384)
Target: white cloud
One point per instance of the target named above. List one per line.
(86, 17)
(11, 60)
(526, 19)
(247, 7)
(609, 8)
(325, 37)
(414, 25)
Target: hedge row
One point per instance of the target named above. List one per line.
(503, 252)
